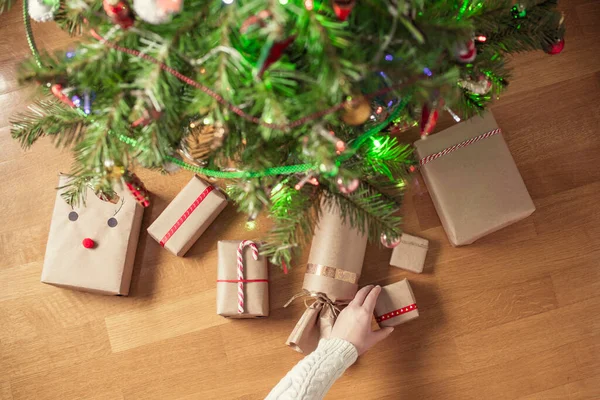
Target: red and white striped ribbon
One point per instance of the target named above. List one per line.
(240, 265)
(466, 143)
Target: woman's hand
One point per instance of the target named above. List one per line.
(354, 322)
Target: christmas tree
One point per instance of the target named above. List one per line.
(285, 102)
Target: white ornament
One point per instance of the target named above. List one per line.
(41, 12)
(149, 12)
(481, 86)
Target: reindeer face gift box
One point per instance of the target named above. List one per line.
(92, 247)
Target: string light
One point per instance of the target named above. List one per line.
(389, 57)
(481, 38)
(227, 1)
(283, 2)
(309, 4)
(427, 71)
(250, 225)
(376, 143)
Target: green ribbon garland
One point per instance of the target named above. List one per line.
(29, 34)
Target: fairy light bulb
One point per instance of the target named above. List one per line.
(227, 1)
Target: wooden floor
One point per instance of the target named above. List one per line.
(514, 316)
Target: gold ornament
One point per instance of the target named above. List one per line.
(357, 112)
(200, 141)
(112, 170)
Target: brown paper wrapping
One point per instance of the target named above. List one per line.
(335, 244)
(315, 324)
(195, 224)
(476, 189)
(106, 268)
(256, 294)
(410, 253)
(394, 297)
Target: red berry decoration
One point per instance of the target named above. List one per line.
(556, 48)
(138, 190)
(88, 243)
(56, 90)
(119, 13)
(343, 8)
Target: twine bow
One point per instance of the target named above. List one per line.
(320, 299)
(240, 265)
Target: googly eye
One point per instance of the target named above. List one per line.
(73, 216)
(112, 222)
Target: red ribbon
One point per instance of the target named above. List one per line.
(242, 280)
(395, 313)
(185, 215)
(457, 146)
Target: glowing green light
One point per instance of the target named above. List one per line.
(268, 120)
(207, 121)
(250, 225)
(283, 2)
(401, 184)
(377, 143)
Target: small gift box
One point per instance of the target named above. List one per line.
(473, 180)
(396, 304)
(92, 247)
(186, 218)
(410, 253)
(242, 280)
(336, 256)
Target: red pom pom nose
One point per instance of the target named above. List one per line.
(88, 243)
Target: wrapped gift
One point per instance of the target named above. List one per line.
(92, 247)
(186, 218)
(336, 256)
(473, 180)
(331, 279)
(396, 304)
(410, 253)
(242, 280)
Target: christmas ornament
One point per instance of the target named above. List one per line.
(428, 120)
(119, 13)
(518, 11)
(357, 112)
(57, 91)
(137, 189)
(201, 141)
(146, 118)
(391, 242)
(42, 10)
(556, 47)
(112, 171)
(156, 11)
(481, 86)
(465, 52)
(343, 8)
(347, 187)
(272, 54)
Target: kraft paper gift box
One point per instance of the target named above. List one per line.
(186, 218)
(396, 304)
(410, 253)
(112, 231)
(473, 180)
(336, 256)
(255, 287)
(331, 279)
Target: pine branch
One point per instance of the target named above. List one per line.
(5, 5)
(48, 117)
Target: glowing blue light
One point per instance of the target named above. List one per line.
(389, 57)
(76, 100)
(70, 54)
(390, 103)
(427, 71)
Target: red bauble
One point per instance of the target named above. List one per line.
(119, 13)
(343, 8)
(428, 120)
(88, 243)
(56, 90)
(275, 53)
(556, 48)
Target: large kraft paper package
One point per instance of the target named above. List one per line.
(186, 218)
(105, 268)
(256, 294)
(473, 180)
(336, 256)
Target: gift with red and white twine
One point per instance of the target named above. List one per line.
(473, 180)
(242, 280)
(186, 218)
(396, 304)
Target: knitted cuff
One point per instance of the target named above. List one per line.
(346, 350)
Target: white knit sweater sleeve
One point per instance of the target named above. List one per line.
(312, 377)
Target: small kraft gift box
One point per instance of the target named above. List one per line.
(473, 180)
(242, 280)
(410, 253)
(186, 218)
(92, 247)
(396, 304)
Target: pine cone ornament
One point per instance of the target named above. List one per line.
(201, 141)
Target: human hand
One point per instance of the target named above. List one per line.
(354, 322)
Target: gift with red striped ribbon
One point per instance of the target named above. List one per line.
(396, 304)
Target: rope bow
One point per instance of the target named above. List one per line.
(240, 265)
(319, 299)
